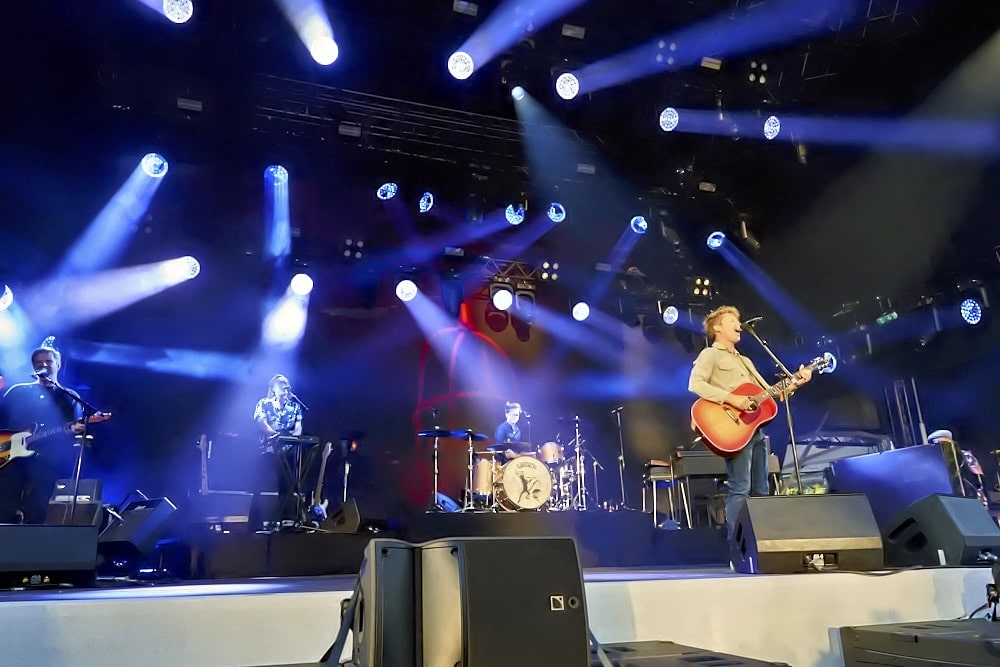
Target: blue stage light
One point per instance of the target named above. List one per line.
(178, 270)
(426, 202)
(669, 119)
(301, 284)
(154, 165)
(503, 299)
(517, 92)
(6, 298)
(715, 240)
(460, 65)
(670, 315)
(581, 311)
(556, 212)
(972, 311)
(514, 214)
(772, 126)
(638, 224)
(324, 50)
(387, 191)
(406, 290)
(178, 11)
(277, 173)
(567, 86)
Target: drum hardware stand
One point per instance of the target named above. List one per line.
(747, 326)
(469, 505)
(580, 498)
(617, 412)
(434, 497)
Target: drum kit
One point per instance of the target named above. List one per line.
(519, 476)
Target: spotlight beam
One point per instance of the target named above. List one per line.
(312, 25)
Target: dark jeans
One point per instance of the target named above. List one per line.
(747, 477)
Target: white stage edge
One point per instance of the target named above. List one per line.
(781, 618)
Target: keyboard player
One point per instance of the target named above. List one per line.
(277, 414)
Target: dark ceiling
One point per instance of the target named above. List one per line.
(80, 74)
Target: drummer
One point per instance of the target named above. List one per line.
(509, 431)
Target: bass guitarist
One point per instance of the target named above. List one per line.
(718, 370)
(26, 484)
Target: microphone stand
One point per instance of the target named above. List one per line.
(88, 411)
(788, 406)
(621, 457)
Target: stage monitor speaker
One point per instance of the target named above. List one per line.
(40, 555)
(531, 587)
(89, 491)
(144, 522)
(353, 518)
(941, 530)
(385, 626)
(784, 534)
(86, 514)
(962, 643)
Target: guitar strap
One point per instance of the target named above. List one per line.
(753, 372)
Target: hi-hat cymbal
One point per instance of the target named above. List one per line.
(513, 446)
(462, 434)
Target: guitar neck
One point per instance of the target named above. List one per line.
(780, 386)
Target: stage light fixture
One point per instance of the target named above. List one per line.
(550, 271)
(154, 165)
(460, 65)
(567, 86)
(387, 191)
(715, 240)
(670, 315)
(426, 202)
(406, 290)
(277, 173)
(178, 11)
(324, 50)
(772, 126)
(524, 306)
(638, 224)
(514, 213)
(669, 119)
(502, 297)
(180, 269)
(354, 248)
(971, 311)
(556, 212)
(6, 297)
(301, 284)
(517, 92)
(581, 311)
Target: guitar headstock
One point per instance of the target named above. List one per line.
(98, 417)
(203, 443)
(824, 364)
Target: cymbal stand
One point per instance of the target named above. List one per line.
(621, 457)
(580, 499)
(434, 491)
(469, 504)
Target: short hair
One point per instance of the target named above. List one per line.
(44, 349)
(274, 379)
(510, 406)
(713, 318)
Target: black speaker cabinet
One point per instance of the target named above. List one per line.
(40, 555)
(144, 522)
(941, 530)
(783, 534)
(496, 602)
(964, 643)
(352, 518)
(669, 654)
(385, 626)
(85, 514)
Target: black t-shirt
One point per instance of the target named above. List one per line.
(507, 432)
(31, 403)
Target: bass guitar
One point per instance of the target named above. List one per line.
(726, 430)
(14, 444)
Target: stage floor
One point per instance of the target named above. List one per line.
(278, 621)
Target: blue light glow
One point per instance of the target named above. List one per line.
(669, 119)
(503, 299)
(514, 214)
(460, 65)
(581, 311)
(972, 311)
(638, 224)
(277, 173)
(670, 315)
(178, 11)
(406, 290)
(772, 126)
(715, 240)
(426, 202)
(324, 50)
(301, 284)
(154, 165)
(178, 270)
(556, 212)
(6, 298)
(567, 86)
(387, 191)
(517, 92)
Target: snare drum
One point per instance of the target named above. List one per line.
(551, 453)
(523, 484)
(484, 472)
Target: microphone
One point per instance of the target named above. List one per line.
(525, 415)
(41, 373)
(298, 400)
(618, 409)
(752, 321)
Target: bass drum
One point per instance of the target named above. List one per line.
(523, 484)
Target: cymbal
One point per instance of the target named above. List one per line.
(578, 420)
(461, 434)
(513, 446)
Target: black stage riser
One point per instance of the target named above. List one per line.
(964, 643)
(47, 555)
